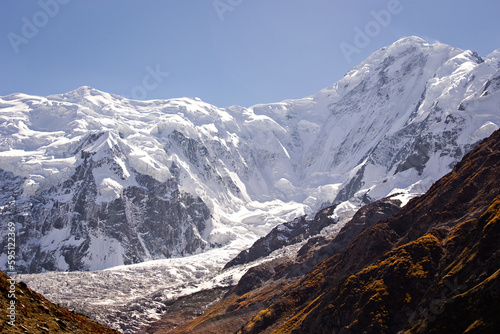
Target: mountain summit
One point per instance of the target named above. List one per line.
(94, 180)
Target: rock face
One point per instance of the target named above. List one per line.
(94, 180)
(150, 219)
(431, 267)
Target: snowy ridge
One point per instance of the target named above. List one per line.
(95, 180)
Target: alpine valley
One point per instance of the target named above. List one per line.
(155, 204)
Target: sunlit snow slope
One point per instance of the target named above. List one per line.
(95, 180)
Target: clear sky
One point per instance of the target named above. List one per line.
(225, 52)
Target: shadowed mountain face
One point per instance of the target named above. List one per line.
(35, 314)
(432, 267)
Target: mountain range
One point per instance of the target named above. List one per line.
(93, 180)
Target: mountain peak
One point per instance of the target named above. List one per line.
(418, 43)
(84, 90)
(80, 91)
(86, 95)
(411, 40)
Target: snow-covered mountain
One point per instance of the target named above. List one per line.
(95, 180)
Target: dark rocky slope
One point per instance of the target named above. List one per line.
(285, 234)
(150, 219)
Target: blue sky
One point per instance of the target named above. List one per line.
(225, 52)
